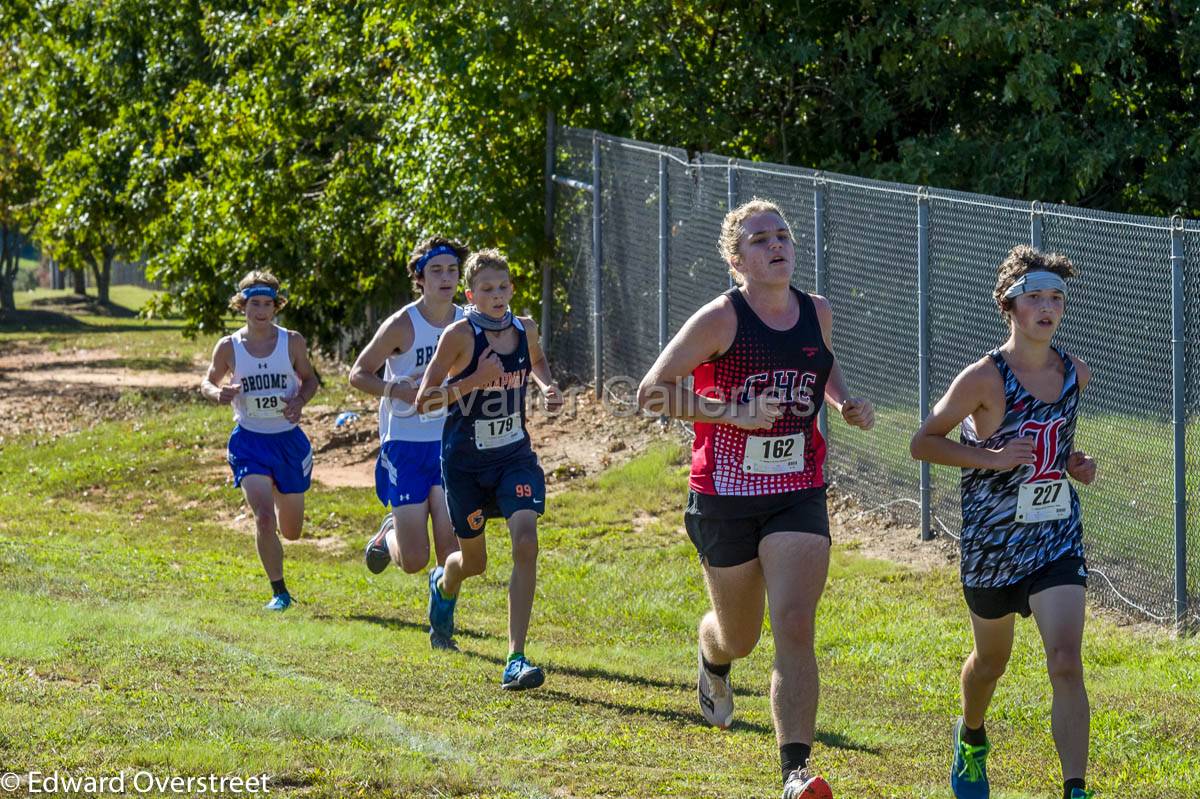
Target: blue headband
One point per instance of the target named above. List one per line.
(258, 291)
(441, 249)
(1036, 281)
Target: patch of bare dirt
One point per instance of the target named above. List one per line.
(884, 535)
(47, 393)
(584, 438)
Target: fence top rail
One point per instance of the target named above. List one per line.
(703, 161)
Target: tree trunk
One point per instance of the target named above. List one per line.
(78, 281)
(9, 262)
(102, 271)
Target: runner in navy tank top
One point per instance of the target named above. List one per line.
(761, 365)
(271, 381)
(1022, 536)
(488, 466)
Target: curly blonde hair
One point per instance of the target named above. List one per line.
(1020, 261)
(256, 277)
(732, 231)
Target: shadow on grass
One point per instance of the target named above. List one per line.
(593, 673)
(670, 716)
(403, 624)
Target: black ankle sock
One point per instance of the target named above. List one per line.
(793, 756)
(974, 737)
(720, 671)
(278, 587)
(1069, 785)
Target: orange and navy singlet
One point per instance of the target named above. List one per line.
(795, 364)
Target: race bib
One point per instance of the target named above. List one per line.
(493, 433)
(265, 406)
(774, 454)
(1043, 501)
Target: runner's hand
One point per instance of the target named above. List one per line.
(489, 369)
(553, 398)
(858, 413)
(291, 411)
(1017, 452)
(228, 392)
(1081, 467)
(758, 414)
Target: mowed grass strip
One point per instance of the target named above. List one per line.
(131, 637)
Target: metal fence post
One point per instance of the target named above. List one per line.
(731, 195)
(1035, 224)
(547, 288)
(597, 261)
(663, 254)
(820, 276)
(1179, 421)
(924, 349)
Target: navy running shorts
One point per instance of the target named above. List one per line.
(473, 497)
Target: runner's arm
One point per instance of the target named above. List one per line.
(972, 391)
(855, 410)
(298, 350)
(705, 336)
(222, 365)
(393, 336)
(452, 356)
(539, 366)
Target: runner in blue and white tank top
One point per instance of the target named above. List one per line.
(271, 381)
(488, 466)
(408, 474)
(1022, 534)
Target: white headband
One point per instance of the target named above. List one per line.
(1036, 281)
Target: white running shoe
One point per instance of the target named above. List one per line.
(802, 785)
(715, 694)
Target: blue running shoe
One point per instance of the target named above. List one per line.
(968, 774)
(377, 554)
(279, 603)
(1080, 793)
(521, 675)
(437, 641)
(441, 611)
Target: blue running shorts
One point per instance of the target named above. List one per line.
(284, 457)
(406, 470)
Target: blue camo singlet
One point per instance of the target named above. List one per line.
(997, 550)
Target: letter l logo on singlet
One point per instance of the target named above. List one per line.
(1045, 448)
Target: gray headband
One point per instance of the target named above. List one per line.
(1036, 281)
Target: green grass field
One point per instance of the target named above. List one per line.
(131, 638)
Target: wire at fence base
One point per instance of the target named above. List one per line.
(1112, 587)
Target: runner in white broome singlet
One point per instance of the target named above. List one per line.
(1022, 537)
(408, 476)
(761, 364)
(271, 458)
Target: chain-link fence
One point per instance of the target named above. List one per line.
(872, 248)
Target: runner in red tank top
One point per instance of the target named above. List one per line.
(761, 365)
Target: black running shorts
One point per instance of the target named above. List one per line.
(996, 603)
(727, 529)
